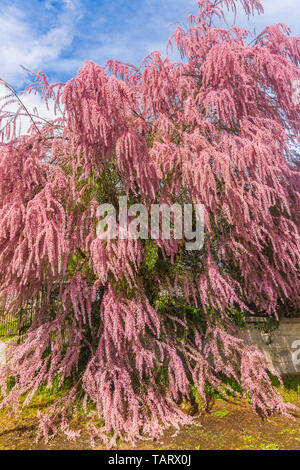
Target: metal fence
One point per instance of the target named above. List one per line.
(12, 325)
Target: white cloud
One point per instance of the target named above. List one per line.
(34, 105)
(287, 12)
(21, 43)
(59, 44)
(275, 11)
(275, 7)
(110, 29)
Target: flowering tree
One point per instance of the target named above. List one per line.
(217, 129)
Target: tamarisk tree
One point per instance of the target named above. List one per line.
(133, 325)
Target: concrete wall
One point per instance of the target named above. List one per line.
(281, 347)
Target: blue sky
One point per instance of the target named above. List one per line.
(58, 36)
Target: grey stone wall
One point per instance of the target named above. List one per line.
(280, 347)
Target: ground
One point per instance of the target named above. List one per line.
(230, 424)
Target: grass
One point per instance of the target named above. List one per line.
(220, 414)
(230, 424)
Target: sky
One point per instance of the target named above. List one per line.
(58, 36)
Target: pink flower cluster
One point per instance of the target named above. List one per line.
(219, 128)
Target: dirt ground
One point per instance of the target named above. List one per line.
(230, 425)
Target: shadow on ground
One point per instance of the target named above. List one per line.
(230, 424)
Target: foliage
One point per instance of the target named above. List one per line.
(218, 128)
